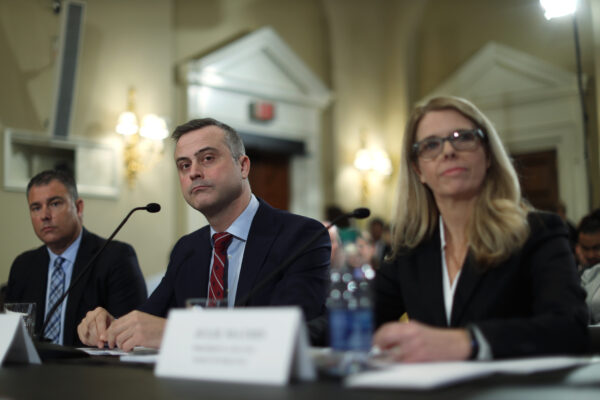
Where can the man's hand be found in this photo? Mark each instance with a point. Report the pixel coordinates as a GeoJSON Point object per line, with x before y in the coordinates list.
{"type": "Point", "coordinates": [416, 342]}
{"type": "Point", "coordinates": [135, 329]}
{"type": "Point", "coordinates": [92, 329]}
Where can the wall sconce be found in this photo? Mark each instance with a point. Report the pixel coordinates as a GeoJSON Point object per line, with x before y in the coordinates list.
{"type": "Point", "coordinates": [369, 160]}
{"type": "Point", "coordinates": [143, 144]}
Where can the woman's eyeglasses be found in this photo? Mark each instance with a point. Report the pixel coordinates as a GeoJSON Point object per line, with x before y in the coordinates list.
{"type": "Point", "coordinates": [461, 140]}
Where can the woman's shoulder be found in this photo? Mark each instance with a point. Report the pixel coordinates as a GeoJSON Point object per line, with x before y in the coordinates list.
{"type": "Point", "coordinates": [426, 246]}
{"type": "Point", "coordinates": [543, 224]}
{"type": "Point", "coordinates": [544, 220]}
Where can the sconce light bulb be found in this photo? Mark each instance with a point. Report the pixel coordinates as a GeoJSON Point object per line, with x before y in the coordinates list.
{"type": "Point", "coordinates": [382, 163]}
{"type": "Point", "coordinates": [154, 127]}
{"type": "Point", "coordinates": [127, 124]}
{"type": "Point", "coordinates": [558, 8]}
{"type": "Point", "coordinates": [363, 160]}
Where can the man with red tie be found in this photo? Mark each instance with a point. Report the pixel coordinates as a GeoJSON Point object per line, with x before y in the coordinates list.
{"type": "Point", "coordinates": [245, 240]}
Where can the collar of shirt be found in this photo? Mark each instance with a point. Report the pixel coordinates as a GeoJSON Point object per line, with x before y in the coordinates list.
{"type": "Point", "coordinates": [485, 350]}
{"type": "Point", "coordinates": [241, 226]}
{"type": "Point", "coordinates": [70, 254]}
{"type": "Point", "coordinates": [448, 289]}
{"type": "Point", "coordinates": [240, 229]}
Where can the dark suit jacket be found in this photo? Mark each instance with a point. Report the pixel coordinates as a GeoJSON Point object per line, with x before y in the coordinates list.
{"type": "Point", "coordinates": [530, 304]}
{"type": "Point", "coordinates": [274, 235]}
{"type": "Point", "coordinates": [115, 282]}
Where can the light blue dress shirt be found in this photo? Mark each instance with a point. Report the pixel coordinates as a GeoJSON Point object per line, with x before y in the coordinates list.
{"type": "Point", "coordinates": [69, 255]}
{"type": "Point", "coordinates": [235, 252]}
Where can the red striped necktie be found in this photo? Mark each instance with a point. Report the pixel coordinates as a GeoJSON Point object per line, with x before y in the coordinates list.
{"type": "Point", "coordinates": [216, 290]}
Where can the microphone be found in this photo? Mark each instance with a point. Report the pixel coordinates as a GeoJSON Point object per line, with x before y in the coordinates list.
{"type": "Point", "coordinates": [150, 207]}
{"type": "Point", "coordinates": [358, 213]}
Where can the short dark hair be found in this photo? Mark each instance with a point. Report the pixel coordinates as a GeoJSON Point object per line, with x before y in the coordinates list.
{"type": "Point", "coordinates": [47, 176]}
{"type": "Point", "coordinates": [590, 223]}
{"type": "Point", "coordinates": [232, 138]}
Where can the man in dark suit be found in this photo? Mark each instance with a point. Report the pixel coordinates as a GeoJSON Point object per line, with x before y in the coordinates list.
{"type": "Point", "coordinates": [213, 173]}
{"type": "Point", "coordinates": [42, 275]}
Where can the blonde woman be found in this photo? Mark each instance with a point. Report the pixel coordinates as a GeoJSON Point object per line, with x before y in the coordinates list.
{"type": "Point", "coordinates": [480, 274]}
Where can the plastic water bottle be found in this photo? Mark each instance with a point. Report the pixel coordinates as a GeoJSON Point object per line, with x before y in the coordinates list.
{"type": "Point", "coordinates": [350, 316]}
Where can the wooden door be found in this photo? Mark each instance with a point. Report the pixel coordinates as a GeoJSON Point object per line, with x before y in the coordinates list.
{"type": "Point", "coordinates": [270, 177]}
{"type": "Point", "coordinates": [539, 178]}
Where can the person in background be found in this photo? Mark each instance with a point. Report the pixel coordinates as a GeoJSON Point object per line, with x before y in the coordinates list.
{"type": "Point", "coordinates": [590, 280]}
{"type": "Point", "coordinates": [40, 276]}
{"type": "Point", "coordinates": [338, 258]}
{"type": "Point", "coordinates": [377, 230]}
{"type": "Point", "coordinates": [587, 248]}
{"type": "Point", "coordinates": [361, 254]}
{"type": "Point", "coordinates": [480, 274]}
{"type": "Point", "coordinates": [346, 231]}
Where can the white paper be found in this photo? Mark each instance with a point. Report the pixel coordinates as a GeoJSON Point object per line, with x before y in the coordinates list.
{"type": "Point", "coordinates": [94, 351]}
{"type": "Point", "coordinates": [15, 343]}
{"type": "Point", "coordinates": [139, 354]}
{"type": "Point", "coordinates": [137, 350]}
{"type": "Point", "coordinates": [140, 358]}
{"type": "Point", "coordinates": [252, 345]}
{"type": "Point", "coordinates": [437, 374]}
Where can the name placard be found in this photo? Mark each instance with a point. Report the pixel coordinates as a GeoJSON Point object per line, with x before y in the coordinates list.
{"type": "Point", "coordinates": [15, 343]}
{"type": "Point", "coordinates": [251, 345]}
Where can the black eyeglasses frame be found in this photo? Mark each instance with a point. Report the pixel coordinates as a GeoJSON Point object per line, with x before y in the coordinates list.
{"type": "Point", "coordinates": [451, 138]}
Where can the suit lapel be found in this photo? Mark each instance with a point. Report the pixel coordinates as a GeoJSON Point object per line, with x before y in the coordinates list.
{"type": "Point", "coordinates": [203, 254]}
{"type": "Point", "coordinates": [429, 263]}
{"type": "Point", "coordinates": [467, 282]}
{"type": "Point", "coordinates": [39, 286]}
{"type": "Point", "coordinates": [87, 248]}
{"type": "Point", "coordinates": [260, 239]}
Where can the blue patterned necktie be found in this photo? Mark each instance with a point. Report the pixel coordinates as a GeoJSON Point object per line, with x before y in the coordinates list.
{"type": "Point", "coordinates": [57, 288]}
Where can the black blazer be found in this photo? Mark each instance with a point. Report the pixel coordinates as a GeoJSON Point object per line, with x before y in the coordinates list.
{"type": "Point", "coordinates": [273, 236]}
{"type": "Point", "coordinates": [115, 282]}
{"type": "Point", "coordinates": [531, 304]}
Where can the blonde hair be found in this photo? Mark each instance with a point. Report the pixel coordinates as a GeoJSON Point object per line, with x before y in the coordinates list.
{"type": "Point", "coordinates": [498, 225]}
